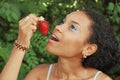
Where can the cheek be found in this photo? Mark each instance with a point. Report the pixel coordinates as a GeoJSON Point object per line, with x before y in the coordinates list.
{"type": "Point", "coordinates": [71, 46]}
{"type": "Point", "coordinates": [67, 48]}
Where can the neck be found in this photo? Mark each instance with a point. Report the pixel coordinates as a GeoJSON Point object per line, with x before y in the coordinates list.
{"type": "Point", "coordinates": [68, 67]}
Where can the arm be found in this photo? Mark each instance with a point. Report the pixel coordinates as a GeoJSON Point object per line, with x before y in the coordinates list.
{"type": "Point", "coordinates": [27, 26]}
{"type": "Point", "coordinates": [11, 69]}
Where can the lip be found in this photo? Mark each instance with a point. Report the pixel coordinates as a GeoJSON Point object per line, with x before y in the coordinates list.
{"type": "Point", "coordinates": [53, 41]}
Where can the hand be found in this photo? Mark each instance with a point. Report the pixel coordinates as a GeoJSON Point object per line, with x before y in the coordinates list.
{"type": "Point", "coordinates": [27, 26]}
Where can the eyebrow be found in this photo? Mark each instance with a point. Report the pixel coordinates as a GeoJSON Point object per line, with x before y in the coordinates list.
{"type": "Point", "coordinates": [72, 21]}
{"type": "Point", "coordinates": [75, 22]}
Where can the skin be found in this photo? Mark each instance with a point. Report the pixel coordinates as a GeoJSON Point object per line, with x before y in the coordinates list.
{"type": "Point", "coordinates": [70, 49]}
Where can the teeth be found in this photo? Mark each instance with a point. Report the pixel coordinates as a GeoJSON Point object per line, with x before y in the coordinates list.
{"type": "Point", "coordinates": [54, 37]}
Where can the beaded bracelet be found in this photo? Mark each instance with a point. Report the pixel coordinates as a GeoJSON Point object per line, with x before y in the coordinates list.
{"type": "Point", "coordinates": [19, 46]}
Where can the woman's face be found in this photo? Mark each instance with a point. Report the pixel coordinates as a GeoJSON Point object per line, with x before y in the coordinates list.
{"type": "Point", "coordinates": [70, 37]}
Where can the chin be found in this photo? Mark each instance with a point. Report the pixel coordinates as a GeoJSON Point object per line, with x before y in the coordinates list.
{"type": "Point", "coordinates": [52, 50]}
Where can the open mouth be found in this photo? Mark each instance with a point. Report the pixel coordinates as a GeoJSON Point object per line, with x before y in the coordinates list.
{"type": "Point", "coordinates": [54, 38]}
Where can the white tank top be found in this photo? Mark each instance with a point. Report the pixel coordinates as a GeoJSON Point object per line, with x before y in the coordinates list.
{"type": "Point", "coordinates": [50, 68]}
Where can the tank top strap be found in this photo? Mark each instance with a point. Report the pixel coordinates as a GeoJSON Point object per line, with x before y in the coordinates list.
{"type": "Point", "coordinates": [49, 71]}
{"type": "Point", "coordinates": [96, 75]}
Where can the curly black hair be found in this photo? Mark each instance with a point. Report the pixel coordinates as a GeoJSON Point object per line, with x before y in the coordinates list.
{"type": "Point", "coordinates": [102, 34]}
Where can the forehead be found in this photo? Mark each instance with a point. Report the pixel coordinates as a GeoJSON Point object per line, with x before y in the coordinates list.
{"type": "Point", "coordinates": [80, 17]}
{"type": "Point", "coordinates": [78, 14]}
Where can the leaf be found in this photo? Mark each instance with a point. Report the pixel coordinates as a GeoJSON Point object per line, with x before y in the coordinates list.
{"type": "Point", "coordinates": [4, 53]}
{"type": "Point", "coordinates": [110, 6]}
{"type": "Point", "coordinates": [118, 9]}
{"type": "Point", "coordinates": [14, 16]}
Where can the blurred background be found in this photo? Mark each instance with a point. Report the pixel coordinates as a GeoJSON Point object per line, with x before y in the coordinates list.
{"type": "Point", "coordinates": [11, 11]}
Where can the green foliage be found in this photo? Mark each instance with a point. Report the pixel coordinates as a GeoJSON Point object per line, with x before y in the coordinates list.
{"type": "Point", "coordinates": [113, 11]}
{"type": "Point", "coordinates": [11, 11]}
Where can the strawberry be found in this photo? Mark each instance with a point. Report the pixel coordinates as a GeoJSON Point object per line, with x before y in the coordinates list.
{"type": "Point", "coordinates": [43, 27]}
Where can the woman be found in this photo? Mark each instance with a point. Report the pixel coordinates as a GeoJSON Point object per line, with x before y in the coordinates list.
{"type": "Point", "coordinates": [84, 43]}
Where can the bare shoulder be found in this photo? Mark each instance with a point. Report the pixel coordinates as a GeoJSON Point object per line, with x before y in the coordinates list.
{"type": "Point", "coordinates": [103, 76]}
{"type": "Point", "coordinates": [38, 73]}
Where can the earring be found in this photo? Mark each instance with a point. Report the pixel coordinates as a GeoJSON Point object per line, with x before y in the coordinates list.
{"type": "Point", "coordinates": [84, 56]}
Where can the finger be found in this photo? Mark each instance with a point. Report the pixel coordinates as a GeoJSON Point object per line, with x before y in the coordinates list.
{"type": "Point", "coordinates": [22, 21]}
{"type": "Point", "coordinates": [33, 16]}
{"type": "Point", "coordinates": [30, 23]}
{"type": "Point", "coordinates": [26, 18]}
{"type": "Point", "coordinates": [41, 18]}
{"type": "Point", "coordinates": [25, 24]}
{"type": "Point", "coordinates": [33, 22]}
{"type": "Point", "coordinates": [33, 28]}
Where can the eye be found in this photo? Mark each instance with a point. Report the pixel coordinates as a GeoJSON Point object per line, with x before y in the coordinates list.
{"type": "Point", "coordinates": [74, 28]}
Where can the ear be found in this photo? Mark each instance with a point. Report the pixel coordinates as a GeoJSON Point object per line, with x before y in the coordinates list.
{"type": "Point", "coordinates": [90, 49]}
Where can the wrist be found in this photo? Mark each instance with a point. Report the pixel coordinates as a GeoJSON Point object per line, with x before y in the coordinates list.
{"type": "Point", "coordinates": [23, 40]}
{"type": "Point", "coordinates": [20, 46]}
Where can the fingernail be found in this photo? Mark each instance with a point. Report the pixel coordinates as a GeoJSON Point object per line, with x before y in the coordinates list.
{"type": "Point", "coordinates": [41, 18]}
{"type": "Point", "coordinates": [26, 18]}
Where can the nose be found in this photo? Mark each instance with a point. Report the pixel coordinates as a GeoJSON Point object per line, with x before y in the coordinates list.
{"type": "Point", "coordinates": [59, 28]}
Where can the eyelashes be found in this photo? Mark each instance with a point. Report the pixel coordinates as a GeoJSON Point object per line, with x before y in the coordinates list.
{"type": "Point", "coordinates": [74, 28]}
{"type": "Point", "coordinates": [71, 27]}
